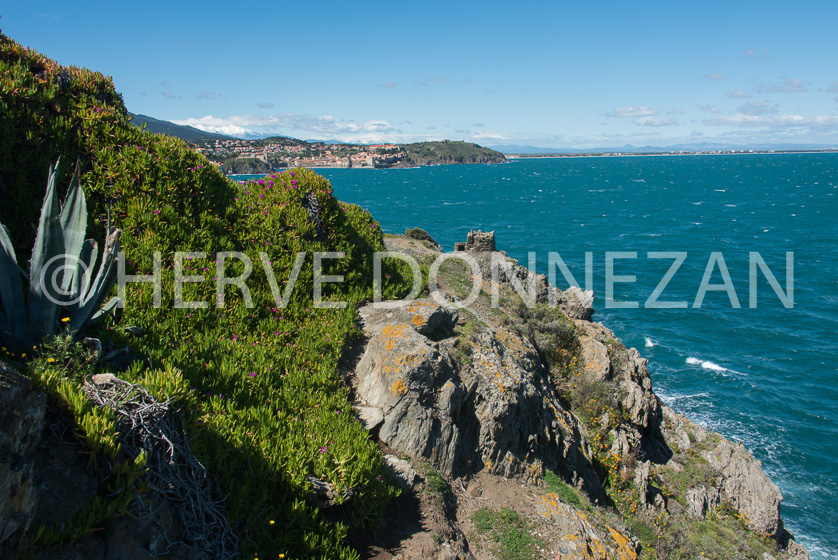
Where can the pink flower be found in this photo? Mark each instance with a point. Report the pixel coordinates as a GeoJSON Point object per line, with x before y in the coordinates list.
{"type": "Point", "coordinates": [252, 374]}
{"type": "Point", "coordinates": [323, 449]}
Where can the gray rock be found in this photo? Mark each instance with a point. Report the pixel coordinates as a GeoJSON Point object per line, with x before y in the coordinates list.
{"type": "Point", "coordinates": [22, 412]}
{"type": "Point", "coordinates": [370, 416]}
{"type": "Point", "coordinates": [747, 486]}
{"type": "Point", "coordinates": [576, 304]}
{"type": "Point", "coordinates": [402, 471]}
{"type": "Point", "coordinates": [701, 499]}
{"type": "Point", "coordinates": [581, 539]}
{"type": "Point", "coordinates": [595, 357]}
{"type": "Point", "coordinates": [425, 316]}
{"type": "Point", "coordinates": [499, 412]}
{"type": "Point", "coordinates": [641, 482]}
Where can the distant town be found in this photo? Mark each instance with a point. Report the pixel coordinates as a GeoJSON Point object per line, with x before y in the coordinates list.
{"type": "Point", "coordinates": [673, 153]}
{"type": "Point", "coordinates": [235, 155]}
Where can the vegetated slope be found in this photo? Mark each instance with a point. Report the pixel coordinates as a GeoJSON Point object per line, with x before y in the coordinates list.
{"type": "Point", "coordinates": [448, 151]}
{"type": "Point", "coordinates": [256, 383]}
{"type": "Point", "coordinates": [178, 131]}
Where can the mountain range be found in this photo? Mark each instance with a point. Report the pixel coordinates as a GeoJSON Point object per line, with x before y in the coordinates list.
{"type": "Point", "coordinates": [628, 148]}
{"type": "Point", "coordinates": [190, 133]}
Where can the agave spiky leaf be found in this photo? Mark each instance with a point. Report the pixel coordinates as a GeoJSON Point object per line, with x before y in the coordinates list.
{"type": "Point", "coordinates": [81, 279]}
{"type": "Point", "coordinates": [107, 308]}
{"type": "Point", "coordinates": [13, 317]}
{"type": "Point", "coordinates": [73, 226]}
{"type": "Point", "coordinates": [49, 242]}
{"type": "Point", "coordinates": [102, 284]}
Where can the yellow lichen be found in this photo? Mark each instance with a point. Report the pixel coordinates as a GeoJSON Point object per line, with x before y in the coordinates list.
{"type": "Point", "coordinates": [399, 387]}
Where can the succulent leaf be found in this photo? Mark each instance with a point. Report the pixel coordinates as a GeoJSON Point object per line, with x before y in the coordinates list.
{"type": "Point", "coordinates": [81, 280]}
{"type": "Point", "coordinates": [101, 287]}
{"type": "Point", "coordinates": [43, 268]}
{"type": "Point", "coordinates": [73, 226]}
{"type": "Point", "coordinates": [13, 317]}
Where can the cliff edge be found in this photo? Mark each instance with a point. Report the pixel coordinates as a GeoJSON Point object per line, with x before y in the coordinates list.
{"type": "Point", "coordinates": [536, 418]}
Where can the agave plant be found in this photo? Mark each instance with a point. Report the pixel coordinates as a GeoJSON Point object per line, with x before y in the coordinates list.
{"type": "Point", "coordinates": [60, 271]}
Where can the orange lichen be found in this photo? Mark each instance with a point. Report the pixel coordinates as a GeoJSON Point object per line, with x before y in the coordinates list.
{"type": "Point", "coordinates": [399, 387]}
{"type": "Point", "coordinates": [624, 547]}
{"type": "Point", "coordinates": [391, 333]}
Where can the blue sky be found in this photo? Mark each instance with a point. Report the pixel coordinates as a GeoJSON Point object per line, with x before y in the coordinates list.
{"type": "Point", "coordinates": [550, 74]}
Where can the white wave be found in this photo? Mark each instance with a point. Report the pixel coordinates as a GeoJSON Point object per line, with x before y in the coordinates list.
{"type": "Point", "coordinates": [650, 343]}
{"type": "Point", "coordinates": [706, 364]}
{"type": "Point", "coordinates": [673, 398]}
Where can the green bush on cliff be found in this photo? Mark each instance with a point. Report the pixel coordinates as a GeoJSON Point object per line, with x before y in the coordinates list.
{"type": "Point", "coordinates": [258, 385]}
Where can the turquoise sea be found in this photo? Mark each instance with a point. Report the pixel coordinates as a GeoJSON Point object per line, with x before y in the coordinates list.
{"type": "Point", "coordinates": [767, 376]}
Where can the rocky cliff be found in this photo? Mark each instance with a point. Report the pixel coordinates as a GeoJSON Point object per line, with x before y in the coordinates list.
{"type": "Point", "coordinates": [542, 413]}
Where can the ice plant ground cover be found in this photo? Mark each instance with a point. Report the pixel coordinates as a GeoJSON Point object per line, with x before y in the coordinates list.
{"type": "Point", "coordinates": [258, 387]}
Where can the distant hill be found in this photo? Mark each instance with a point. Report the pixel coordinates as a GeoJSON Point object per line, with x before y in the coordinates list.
{"type": "Point", "coordinates": [178, 131]}
{"type": "Point", "coordinates": [447, 152]}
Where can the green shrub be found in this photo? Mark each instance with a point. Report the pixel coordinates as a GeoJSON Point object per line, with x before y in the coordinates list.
{"type": "Point", "coordinates": [565, 492]}
{"type": "Point", "coordinates": [420, 235]}
{"type": "Point", "coordinates": [512, 536]}
{"type": "Point", "coordinates": [435, 482]}
{"type": "Point", "coordinates": [258, 386]}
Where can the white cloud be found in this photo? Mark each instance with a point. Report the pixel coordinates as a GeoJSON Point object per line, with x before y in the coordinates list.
{"type": "Point", "coordinates": [790, 85]}
{"type": "Point", "coordinates": [167, 94]}
{"type": "Point", "coordinates": [638, 111]}
{"type": "Point", "coordinates": [265, 105]}
{"type": "Point", "coordinates": [710, 108]}
{"type": "Point", "coordinates": [737, 94]}
{"type": "Point", "coordinates": [388, 85]}
{"type": "Point", "coordinates": [206, 95]}
{"type": "Point", "coordinates": [325, 126]}
{"type": "Point", "coordinates": [655, 121]}
{"type": "Point", "coordinates": [833, 88]}
{"type": "Point", "coordinates": [775, 121]}
{"type": "Point", "coordinates": [675, 112]}
{"type": "Point", "coordinates": [758, 108]}
{"type": "Point", "coordinates": [714, 77]}
{"type": "Point", "coordinates": [490, 136]}
{"type": "Point", "coordinates": [438, 80]}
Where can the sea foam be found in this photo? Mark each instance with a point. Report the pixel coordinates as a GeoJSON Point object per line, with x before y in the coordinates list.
{"type": "Point", "coordinates": [706, 364]}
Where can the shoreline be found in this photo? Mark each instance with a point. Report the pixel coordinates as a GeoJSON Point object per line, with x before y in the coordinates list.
{"type": "Point", "coordinates": [652, 154]}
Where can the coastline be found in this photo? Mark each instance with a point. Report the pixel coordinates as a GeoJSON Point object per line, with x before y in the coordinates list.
{"type": "Point", "coordinates": [517, 157]}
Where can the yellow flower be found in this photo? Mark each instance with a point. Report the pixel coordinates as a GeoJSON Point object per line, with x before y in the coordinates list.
{"type": "Point", "coordinates": [65, 320]}
{"type": "Point", "coordinates": [271, 522]}
{"type": "Point", "coordinates": [23, 355]}
{"type": "Point", "coordinates": [50, 360]}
